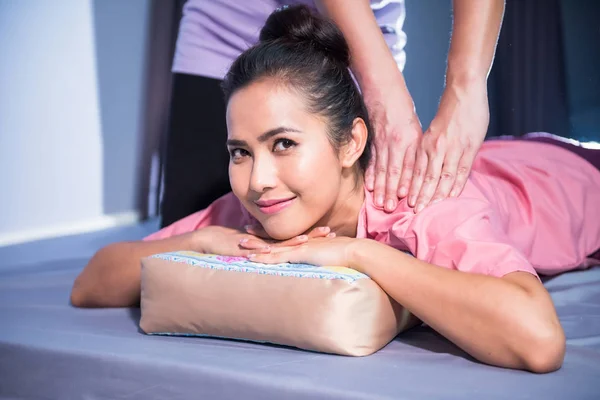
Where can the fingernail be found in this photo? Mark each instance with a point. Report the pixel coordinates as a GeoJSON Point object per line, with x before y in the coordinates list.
{"type": "Point", "coordinates": [324, 229]}
{"type": "Point", "coordinates": [243, 240]}
{"type": "Point", "coordinates": [403, 192]}
{"type": "Point", "coordinates": [379, 201]}
{"type": "Point", "coordinates": [302, 237]}
{"type": "Point", "coordinates": [247, 227]}
{"type": "Point", "coordinates": [436, 201]}
{"type": "Point", "coordinates": [412, 200]}
{"type": "Point", "coordinates": [251, 255]}
{"type": "Point", "coordinates": [266, 249]}
{"type": "Point", "coordinates": [419, 208]}
{"type": "Point", "coordinates": [453, 193]}
{"type": "Point", "coordinates": [390, 205]}
{"type": "Point", "coordinates": [331, 235]}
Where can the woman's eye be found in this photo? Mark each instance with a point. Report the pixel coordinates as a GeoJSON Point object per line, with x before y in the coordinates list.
{"type": "Point", "coordinates": [236, 154]}
{"type": "Point", "coordinates": [283, 144]}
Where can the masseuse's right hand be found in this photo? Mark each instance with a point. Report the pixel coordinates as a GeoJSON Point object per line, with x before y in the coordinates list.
{"type": "Point", "coordinates": [237, 243]}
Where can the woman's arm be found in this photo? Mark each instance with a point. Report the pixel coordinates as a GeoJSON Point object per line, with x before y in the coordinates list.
{"type": "Point", "coordinates": [509, 322]}
{"type": "Point", "coordinates": [112, 277]}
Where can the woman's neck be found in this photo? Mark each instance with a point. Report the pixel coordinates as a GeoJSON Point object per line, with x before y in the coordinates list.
{"type": "Point", "coordinates": [343, 217]}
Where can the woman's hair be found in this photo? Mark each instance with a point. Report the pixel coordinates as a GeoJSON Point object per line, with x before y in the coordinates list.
{"type": "Point", "coordinates": [309, 54]}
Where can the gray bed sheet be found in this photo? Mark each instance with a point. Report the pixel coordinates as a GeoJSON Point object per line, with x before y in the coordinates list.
{"type": "Point", "coordinates": [50, 350]}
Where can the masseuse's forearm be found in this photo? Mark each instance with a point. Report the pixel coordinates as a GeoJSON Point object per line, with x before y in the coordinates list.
{"type": "Point", "coordinates": [112, 277]}
{"type": "Point", "coordinates": [493, 319]}
{"type": "Point", "coordinates": [475, 33]}
{"type": "Point", "coordinates": [371, 60]}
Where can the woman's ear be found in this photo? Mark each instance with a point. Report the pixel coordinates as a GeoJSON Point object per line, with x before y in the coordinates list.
{"type": "Point", "coordinates": [352, 151]}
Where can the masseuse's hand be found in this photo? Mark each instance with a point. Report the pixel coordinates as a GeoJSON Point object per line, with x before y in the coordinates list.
{"type": "Point", "coordinates": [449, 146]}
{"type": "Point", "coordinates": [327, 251]}
{"type": "Point", "coordinates": [397, 136]}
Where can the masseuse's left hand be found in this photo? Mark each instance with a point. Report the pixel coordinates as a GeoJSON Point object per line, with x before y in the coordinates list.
{"type": "Point", "coordinates": [449, 146]}
{"type": "Point", "coordinates": [327, 251]}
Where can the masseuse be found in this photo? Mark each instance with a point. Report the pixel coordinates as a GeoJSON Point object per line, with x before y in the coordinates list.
{"type": "Point", "coordinates": [426, 168]}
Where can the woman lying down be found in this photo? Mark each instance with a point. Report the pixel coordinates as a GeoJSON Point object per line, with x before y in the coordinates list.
{"type": "Point", "coordinates": [299, 138]}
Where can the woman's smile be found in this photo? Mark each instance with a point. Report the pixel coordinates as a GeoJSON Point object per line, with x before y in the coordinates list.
{"type": "Point", "coordinates": [274, 206]}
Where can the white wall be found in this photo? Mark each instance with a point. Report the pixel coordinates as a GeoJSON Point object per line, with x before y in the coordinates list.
{"type": "Point", "coordinates": [52, 153]}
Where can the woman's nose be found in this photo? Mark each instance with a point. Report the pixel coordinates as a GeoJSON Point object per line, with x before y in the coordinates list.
{"type": "Point", "coordinates": [264, 175]}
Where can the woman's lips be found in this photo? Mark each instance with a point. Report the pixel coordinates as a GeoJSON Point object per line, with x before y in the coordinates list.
{"type": "Point", "coordinates": [274, 206]}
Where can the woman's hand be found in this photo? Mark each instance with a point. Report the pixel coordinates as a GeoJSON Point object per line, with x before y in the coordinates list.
{"type": "Point", "coordinates": [233, 242]}
{"type": "Point", "coordinates": [449, 146]}
{"type": "Point", "coordinates": [325, 251]}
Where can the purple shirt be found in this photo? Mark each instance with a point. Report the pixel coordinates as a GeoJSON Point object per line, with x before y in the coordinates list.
{"type": "Point", "coordinates": [213, 33]}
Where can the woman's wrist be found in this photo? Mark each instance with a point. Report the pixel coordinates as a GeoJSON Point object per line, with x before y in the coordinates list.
{"type": "Point", "coordinates": [358, 254]}
{"type": "Point", "coordinates": [198, 241]}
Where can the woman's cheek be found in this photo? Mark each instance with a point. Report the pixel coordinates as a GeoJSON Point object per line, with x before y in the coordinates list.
{"type": "Point", "coordinates": [239, 181]}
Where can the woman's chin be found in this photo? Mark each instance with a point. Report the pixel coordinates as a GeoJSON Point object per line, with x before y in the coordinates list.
{"type": "Point", "coordinates": [282, 233]}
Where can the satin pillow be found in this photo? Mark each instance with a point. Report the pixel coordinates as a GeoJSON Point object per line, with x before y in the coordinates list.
{"type": "Point", "coordinates": [326, 309]}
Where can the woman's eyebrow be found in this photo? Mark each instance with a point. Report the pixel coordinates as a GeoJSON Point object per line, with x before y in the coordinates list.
{"type": "Point", "coordinates": [264, 137]}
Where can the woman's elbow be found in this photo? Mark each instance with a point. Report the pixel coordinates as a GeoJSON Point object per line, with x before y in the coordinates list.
{"type": "Point", "coordinates": [80, 293]}
{"type": "Point", "coordinates": [77, 297]}
{"type": "Point", "coordinates": [86, 283]}
{"type": "Point", "coordinates": [546, 349]}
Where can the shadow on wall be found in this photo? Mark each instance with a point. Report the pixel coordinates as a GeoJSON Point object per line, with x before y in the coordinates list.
{"type": "Point", "coordinates": [581, 38]}
{"type": "Point", "coordinates": [428, 25]}
{"type": "Point", "coordinates": [133, 60]}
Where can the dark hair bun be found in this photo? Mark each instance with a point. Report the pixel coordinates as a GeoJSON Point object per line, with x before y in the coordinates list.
{"type": "Point", "coordinates": [298, 25]}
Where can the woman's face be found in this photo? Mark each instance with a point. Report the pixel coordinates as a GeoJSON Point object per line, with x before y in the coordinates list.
{"type": "Point", "coordinates": [283, 168]}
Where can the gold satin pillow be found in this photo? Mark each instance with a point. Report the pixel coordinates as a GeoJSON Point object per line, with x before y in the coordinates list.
{"type": "Point", "coordinates": [327, 309]}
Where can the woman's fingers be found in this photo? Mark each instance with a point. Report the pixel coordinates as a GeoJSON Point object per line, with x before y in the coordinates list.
{"type": "Point", "coordinates": [257, 243]}
{"type": "Point", "coordinates": [277, 256]}
{"type": "Point", "coordinates": [321, 231]}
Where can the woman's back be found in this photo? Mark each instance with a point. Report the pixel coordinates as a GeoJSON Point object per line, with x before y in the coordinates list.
{"type": "Point", "coordinates": [539, 198]}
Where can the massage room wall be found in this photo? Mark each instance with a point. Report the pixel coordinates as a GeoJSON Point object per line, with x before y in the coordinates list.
{"type": "Point", "coordinates": [71, 85]}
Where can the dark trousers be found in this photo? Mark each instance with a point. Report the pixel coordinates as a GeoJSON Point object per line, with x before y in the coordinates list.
{"type": "Point", "coordinates": [195, 159]}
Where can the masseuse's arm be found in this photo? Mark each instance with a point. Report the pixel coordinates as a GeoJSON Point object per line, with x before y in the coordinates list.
{"type": "Point", "coordinates": [390, 105]}
{"type": "Point", "coordinates": [451, 142]}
